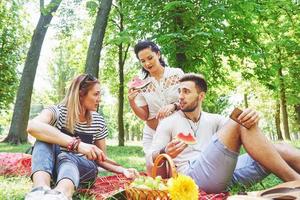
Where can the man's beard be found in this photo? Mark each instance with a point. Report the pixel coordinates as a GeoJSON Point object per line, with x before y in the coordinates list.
{"type": "Point", "coordinates": [192, 106]}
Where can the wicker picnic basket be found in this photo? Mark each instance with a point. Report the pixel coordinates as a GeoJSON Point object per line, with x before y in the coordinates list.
{"type": "Point", "coordinates": [147, 194]}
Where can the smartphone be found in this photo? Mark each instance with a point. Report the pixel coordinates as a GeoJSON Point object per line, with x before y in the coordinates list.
{"type": "Point", "coordinates": [235, 114]}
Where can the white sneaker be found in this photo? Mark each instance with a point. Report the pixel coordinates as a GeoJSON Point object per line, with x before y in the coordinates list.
{"type": "Point", "coordinates": [37, 193]}
{"type": "Point", "coordinates": [55, 195]}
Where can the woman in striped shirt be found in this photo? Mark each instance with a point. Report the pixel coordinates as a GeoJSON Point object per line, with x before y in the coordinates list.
{"type": "Point", "coordinates": [70, 143]}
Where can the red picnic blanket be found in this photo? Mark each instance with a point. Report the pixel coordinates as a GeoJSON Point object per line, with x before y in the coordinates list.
{"type": "Point", "coordinates": [15, 164]}
{"type": "Point", "coordinates": [19, 164]}
{"type": "Point", "coordinates": [107, 186]}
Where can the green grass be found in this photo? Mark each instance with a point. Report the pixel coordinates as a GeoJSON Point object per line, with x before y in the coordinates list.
{"type": "Point", "coordinates": [14, 187]}
{"type": "Point", "coordinates": [129, 156]}
{"type": "Point", "coordinates": [5, 147]}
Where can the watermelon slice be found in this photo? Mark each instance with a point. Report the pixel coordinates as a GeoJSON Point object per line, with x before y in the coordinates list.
{"type": "Point", "coordinates": [186, 138]}
{"type": "Point", "coordinates": [137, 83]}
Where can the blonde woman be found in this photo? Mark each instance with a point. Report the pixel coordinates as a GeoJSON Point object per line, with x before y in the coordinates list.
{"type": "Point", "coordinates": [70, 143]}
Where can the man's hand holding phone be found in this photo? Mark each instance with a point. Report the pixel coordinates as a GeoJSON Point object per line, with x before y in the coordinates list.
{"type": "Point", "coordinates": [246, 118]}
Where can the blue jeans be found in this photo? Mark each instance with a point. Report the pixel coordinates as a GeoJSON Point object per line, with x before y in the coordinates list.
{"type": "Point", "coordinates": [217, 167]}
{"type": "Point", "coordinates": [63, 165]}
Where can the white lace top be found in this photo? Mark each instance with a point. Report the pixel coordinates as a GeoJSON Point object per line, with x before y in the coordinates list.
{"type": "Point", "coordinates": [160, 93]}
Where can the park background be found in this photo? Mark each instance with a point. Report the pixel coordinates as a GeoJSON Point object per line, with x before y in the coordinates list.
{"type": "Point", "coordinates": [249, 51]}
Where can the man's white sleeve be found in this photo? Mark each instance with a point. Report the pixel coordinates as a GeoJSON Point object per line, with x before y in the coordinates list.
{"type": "Point", "coordinates": [221, 121]}
{"type": "Point", "coordinates": [162, 136]}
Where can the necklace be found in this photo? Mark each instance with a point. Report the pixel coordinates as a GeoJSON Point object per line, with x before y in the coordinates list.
{"type": "Point", "coordinates": [192, 127]}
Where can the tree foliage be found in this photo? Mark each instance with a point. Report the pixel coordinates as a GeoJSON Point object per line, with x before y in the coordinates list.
{"type": "Point", "coordinates": [13, 40]}
{"type": "Point", "coordinates": [280, 41]}
{"type": "Point", "coordinates": [247, 50]}
{"type": "Point", "coordinates": [70, 52]}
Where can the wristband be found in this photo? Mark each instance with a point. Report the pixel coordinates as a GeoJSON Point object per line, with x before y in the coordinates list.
{"type": "Point", "coordinates": [73, 145]}
{"type": "Point", "coordinates": [76, 144]}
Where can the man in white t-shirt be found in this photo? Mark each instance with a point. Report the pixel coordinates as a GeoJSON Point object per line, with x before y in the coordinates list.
{"type": "Point", "coordinates": [214, 162]}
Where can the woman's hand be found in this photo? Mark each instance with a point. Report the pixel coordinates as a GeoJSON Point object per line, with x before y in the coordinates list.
{"type": "Point", "coordinates": [132, 93]}
{"type": "Point", "coordinates": [130, 172]}
{"type": "Point", "coordinates": [165, 111]}
{"type": "Point", "coordinates": [92, 152]}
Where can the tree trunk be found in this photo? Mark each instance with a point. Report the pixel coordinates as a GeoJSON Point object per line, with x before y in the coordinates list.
{"type": "Point", "coordinates": [122, 54]}
{"type": "Point", "coordinates": [93, 55]}
{"type": "Point", "coordinates": [180, 58]}
{"type": "Point", "coordinates": [277, 122]}
{"type": "Point", "coordinates": [121, 97]}
{"type": "Point", "coordinates": [132, 136]}
{"type": "Point", "coordinates": [17, 132]}
{"type": "Point", "coordinates": [283, 105]}
{"type": "Point", "coordinates": [126, 129]}
{"type": "Point", "coordinates": [180, 55]}
{"type": "Point", "coordinates": [246, 100]}
{"type": "Point", "coordinates": [297, 111]}
{"type": "Point", "coordinates": [61, 77]}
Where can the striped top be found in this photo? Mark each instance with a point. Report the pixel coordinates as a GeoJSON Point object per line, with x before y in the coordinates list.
{"type": "Point", "coordinates": [97, 130]}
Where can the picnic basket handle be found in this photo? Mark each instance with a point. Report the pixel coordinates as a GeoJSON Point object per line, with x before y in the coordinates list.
{"type": "Point", "coordinates": [169, 160]}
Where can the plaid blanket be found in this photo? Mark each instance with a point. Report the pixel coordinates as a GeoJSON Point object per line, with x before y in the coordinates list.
{"type": "Point", "coordinates": [19, 164]}
{"type": "Point", "coordinates": [15, 164]}
{"type": "Point", "coordinates": [112, 187]}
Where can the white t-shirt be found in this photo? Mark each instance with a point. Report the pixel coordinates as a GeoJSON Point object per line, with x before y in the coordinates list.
{"type": "Point", "coordinates": [169, 127]}
{"type": "Point", "coordinates": [160, 93]}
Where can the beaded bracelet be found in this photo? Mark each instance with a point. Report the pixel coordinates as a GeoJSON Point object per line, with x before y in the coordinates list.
{"type": "Point", "coordinates": [76, 144]}
{"type": "Point", "coordinates": [73, 145]}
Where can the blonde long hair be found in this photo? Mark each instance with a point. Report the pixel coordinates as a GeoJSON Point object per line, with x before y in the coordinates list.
{"type": "Point", "coordinates": [78, 88]}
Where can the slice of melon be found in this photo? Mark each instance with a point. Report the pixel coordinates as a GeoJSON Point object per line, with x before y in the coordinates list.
{"type": "Point", "coordinates": [137, 83]}
{"type": "Point", "coordinates": [186, 138]}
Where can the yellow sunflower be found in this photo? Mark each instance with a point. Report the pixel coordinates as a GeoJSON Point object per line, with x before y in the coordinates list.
{"type": "Point", "coordinates": [182, 187]}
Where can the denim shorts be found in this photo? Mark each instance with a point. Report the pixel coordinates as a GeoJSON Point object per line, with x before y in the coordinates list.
{"type": "Point", "coordinates": [63, 165]}
{"type": "Point", "coordinates": [217, 168]}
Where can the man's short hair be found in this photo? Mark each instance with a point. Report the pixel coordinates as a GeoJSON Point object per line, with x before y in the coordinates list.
{"type": "Point", "coordinates": [198, 79]}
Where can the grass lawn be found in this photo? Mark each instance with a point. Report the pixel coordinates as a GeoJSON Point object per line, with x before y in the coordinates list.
{"type": "Point", "coordinates": [129, 156]}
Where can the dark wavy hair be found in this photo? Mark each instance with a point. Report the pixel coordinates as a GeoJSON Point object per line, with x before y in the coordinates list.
{"type": "Point", "coordinates": [141, 45]}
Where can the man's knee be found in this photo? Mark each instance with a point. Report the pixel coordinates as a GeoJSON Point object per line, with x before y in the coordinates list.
{"type": "Point", "coordinates": [231, 127]}
{"type": "Point", "coordinates": [230, 135]}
